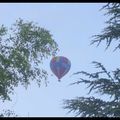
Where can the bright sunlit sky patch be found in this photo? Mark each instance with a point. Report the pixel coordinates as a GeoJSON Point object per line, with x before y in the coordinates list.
{"type": "Point", "coordinates": [72, 25]}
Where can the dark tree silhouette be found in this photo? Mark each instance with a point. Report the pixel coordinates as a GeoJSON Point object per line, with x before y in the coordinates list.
{"type": "Point", "coordinates": [104, 82]}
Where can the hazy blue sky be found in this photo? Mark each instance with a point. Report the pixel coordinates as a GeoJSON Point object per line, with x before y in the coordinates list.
{"type": "Point", "coordinates": [72, 25]}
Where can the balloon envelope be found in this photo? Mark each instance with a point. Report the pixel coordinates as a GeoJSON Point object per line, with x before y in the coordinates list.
{"type": "Point", "coordinates": [60, 66]}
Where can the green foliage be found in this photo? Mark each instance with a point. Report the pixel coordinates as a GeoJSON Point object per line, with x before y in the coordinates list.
{"type": "Point", "coordinates": [92, 107]}
{"type": "Point", "coordinates": [102, 82]}
{"type": "Point", "coordinates": [8, 113]}
{"type": "Point", "coordinates": [107, 85]}
{"type": "Point", "coordinates": [22, 49]}
{"type": "Point", "coordinates": [112, 31]}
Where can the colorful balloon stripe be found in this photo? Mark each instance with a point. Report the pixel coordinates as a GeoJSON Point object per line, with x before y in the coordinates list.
{"type": "Point", "coordinates": [60, 66]}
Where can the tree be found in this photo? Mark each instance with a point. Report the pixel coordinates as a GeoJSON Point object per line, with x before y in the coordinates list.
{"type": "Point", "coordinates": [104, 82]}
{"type": "Point", "coordinates": [8, 113]}
{"type": "Point", "coordinates": [23, 48]}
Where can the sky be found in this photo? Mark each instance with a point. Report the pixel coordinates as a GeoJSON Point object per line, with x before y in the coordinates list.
{"type": "Point", "coordinates": [72, 25]}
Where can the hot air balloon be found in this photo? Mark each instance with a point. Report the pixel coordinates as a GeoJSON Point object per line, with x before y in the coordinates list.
{"type": "Point", "coordinates": [60, 66]}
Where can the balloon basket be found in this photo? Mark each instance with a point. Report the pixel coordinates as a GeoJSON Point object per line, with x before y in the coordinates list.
{"type": "Point", "coordinates": [59, 80]}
